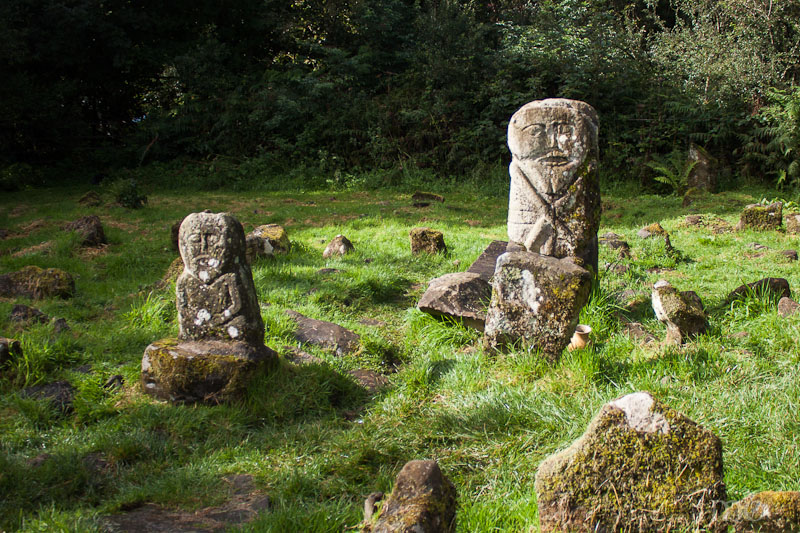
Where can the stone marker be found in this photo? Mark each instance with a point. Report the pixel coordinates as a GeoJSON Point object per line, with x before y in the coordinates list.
{"type": "Point", "coordinates": [761, 217]}
{"type": "Point", "coordinates": [9, 349]}
{"type": "Point", "coordinates": [221, 339]}
{"type": "Point", "coordinates": [423, 501]}
{"type": "Point", "coordinates": [791, 255]}
{"type": "Point", "coordinates": [486, 263]}
{"type": "Point", "coordinates": [536, 301]}
{"type": "Point", "coordinates": [460, 295]}
{"type": "Point", "coordinates": [640, 466]}
{"type": "Point", "coordinates": [427, 240]}
{"type": "Point", "coordinates": [703, 176]}
{"type": "Point", "coordinates": [27, 315]}
{"type": "Point", "coordinates": [90, 229]}
{"type": "Point", "coordinates": [324, 334]}
{"type": "Point", "coordinates": [618, 243]}
{"type": "Point", "coordinates": [787, 306]}
{"type": "Point", "coordinates": [682, 312]}
{"type": "Point", "coordinates": [655, 230]}
{"type": "Point", "coordinates": [554, 202]}
{"type": "Point", "coordinates": [275, 235]}
{"type": "Point", "coordinates": [777, 286]}
{"type": "Point", "coordinates": [340, 245]}
{"type": "Point", "coordinates": [792, 221]}
{"type": "Point", "coordinates": [766, 512]}
{"type": "Point", "coordinates": [37, 283]}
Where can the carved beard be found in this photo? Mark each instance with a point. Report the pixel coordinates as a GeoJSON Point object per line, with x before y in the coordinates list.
{"type": "Point", "coordinates": [550, 181]}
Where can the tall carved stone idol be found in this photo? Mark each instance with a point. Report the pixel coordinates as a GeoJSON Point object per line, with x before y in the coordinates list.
{"type": "Point", "coordinates": [221, 339]}
{"type": "Point", "coordinates": [554, 203]}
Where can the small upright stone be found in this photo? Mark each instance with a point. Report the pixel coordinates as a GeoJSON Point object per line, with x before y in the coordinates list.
{"type": "Point", "coordinates": [761, 217]}
{"type": "Point", "coordinates": [275, 235]}
{"type": "Point", "coordinates": [640, 466]}
{"type": "Point", "coordinates": [554, 200]}
{"type": "Point", "coordinates": [423, 501]}
{"type": "Point", "coordinates": [655, 230]}
{"type": "Point", "coordinates": [340, 245]}
{"type": "Point", "coordinates": [703, 176]}
{"type": "Point", "coordinates": [766, 512]}
{"type": "Point", "coordinates": [682, 312]}
{"type": "Point", "coordinates": [792, 221]}
{"type": "Point", "coordinates": [536, 301]}
{"type": "Point", "coordinates": [90, 229]}
{"type": "Point", "coordinates": [787, 307]}
{"type": "Point", "coordinates": [221, 339]}
{"type": "Point", "coordinates": [427, 240]}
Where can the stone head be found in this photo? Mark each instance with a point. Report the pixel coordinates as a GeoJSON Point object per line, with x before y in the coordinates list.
{"type": "Point", "coordinates": [550, 140]}
{"type": "Point", "coordinates": [210, 244]}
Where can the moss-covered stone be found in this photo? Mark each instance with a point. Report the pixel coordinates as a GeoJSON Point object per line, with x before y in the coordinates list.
{"type": "Point", "coordinates": [682, 312]}
{"type": "Point", "coordinates": [640, 466]}
{"type": "Point", "coordinates": [761, 217]}
{"type": "Point", "coordinates": [276, 236]}
{"type": "Point", "coordinates": [37, 283]}
{"type": "Point", "coordinates": [792, 222]}
{"type": "Point", "coordinates": [536, 302]}
{"type": "Point", "coordinates": [767, 512]}
{"type": "Point", "coordinates": [423, 501]}
{"type": "Point", "coordinates": [427, 240]}
{"type": "Point", "coordinates": [201, 371]}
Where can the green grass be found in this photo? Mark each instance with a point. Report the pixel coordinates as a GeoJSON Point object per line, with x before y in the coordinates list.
{"type": "Point", "coordinates": [315, 441]}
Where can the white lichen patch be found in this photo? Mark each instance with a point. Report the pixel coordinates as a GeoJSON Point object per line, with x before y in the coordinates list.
{"type": "Point", "coordinates": [203, 275]}
{"type": "Point", "coordinates": [531, 294]}
{"type": "Point", "coordinates": [213, 262]}
{"type": "Point", "coordinates": [233, 332]}
{"type": "Point", "coordinates": [202, 316]}
{"type": "Point", "coordinates": [639, 414]}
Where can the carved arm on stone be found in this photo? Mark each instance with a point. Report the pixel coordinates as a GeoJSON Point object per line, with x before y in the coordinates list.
{"type": "Point", "coordinates": [234, 296]}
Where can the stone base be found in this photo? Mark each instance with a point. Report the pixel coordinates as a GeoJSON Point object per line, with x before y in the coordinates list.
{"type": "Point", "coordinates": [200, 371]}
{"type": "Point", "coordinates": [459, 295]}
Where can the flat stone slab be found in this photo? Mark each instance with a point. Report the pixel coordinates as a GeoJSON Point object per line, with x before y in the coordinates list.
{"type": "Point", "coordinates": [485, 264]}
{"type": "Point", "coordinates": [460, 295]}
{"type": "Point", "coordinates": [207, 371]}
{"type": "Point", "coordinates": [767, 512]}
{"type": "Point", "coordinates": [325, 334]}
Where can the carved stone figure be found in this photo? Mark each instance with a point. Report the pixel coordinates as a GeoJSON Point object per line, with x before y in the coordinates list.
{"type": "Point", "coordinates": [221, 339]}
{"type": "Point", "coordinates": [554, 203]}
{"type": "Point", "coordinates": [216, 296]}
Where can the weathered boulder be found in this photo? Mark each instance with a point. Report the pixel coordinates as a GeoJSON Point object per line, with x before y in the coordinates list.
{"type": "Point", "coordinates": [340, 245]}
{"type": "Point", "coordinates": [486, 263]}
{"type": "Point", "coordinates": [27, 315]}
{"type": "Point", "coordinates": [423, 501]}
{"type": "Point", "coordinates": [791, 255]}
{"type": "Point", "coordinates": [90, 229]}
{"type": "Point", "coordinates": [324, 334]}
{"type": "Point", "coordinates": [766, 512]}
{"type": "Point", "coordinates": [221, 332]}
{"type": "Point", "coordinates": [787, 306]}
{"type": "Point", "coordinates": [427, 240]}
{"type": "Point", "coordinates": [536, 301]}
{"type": "Point", "coordinates": [682, 312]}
{"type": "Point", "coordinates": [554, 200]}
{"type": "Point", "coordinates": [256, 248]}
{"type": "Point", "coordinates": [37, 283]}
{"type": "Point", "coordinates": [703, 175]}
{"type": "Point", "coordinates": [208, 371]}
{"type": "Point", "coordinates": [776, 286]}
{"type": "Point", "coordinates": [459, 295]}
{"type": "Point", "coordinates": [276, 235]}
{"type": "Point", "coordinates": [640, 466]}
{"type": "Point", "coordinates": [9, 349]}
{"type": "Point", "coordinates": [761, 217]}
{"type": "Point", "coordinates": [616, 242]}
{"type": "Point", "coordinates": [424, 199]}
{"type": "Point", "coordinates": [792, 221]}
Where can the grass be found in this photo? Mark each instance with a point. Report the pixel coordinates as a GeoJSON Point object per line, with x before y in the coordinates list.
{"type": "Point", "coordinates": [315, 441]}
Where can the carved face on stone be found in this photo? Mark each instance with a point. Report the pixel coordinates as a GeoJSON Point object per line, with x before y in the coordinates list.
{"type": "Point", "coordinates": [550, 139]}
{"type": "Point", "coordinates": [210, 244]}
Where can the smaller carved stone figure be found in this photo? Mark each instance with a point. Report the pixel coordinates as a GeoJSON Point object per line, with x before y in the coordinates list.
{"type": "Point", "coordinates": [554, 203]}
{"type": "Point", "coordinates": [216, 298]}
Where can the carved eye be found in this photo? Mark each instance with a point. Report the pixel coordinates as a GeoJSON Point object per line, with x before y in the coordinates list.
{"type": "Point", "coordinates": [195, 238]}
{"type": "Point", "coordinates": [535, 129]}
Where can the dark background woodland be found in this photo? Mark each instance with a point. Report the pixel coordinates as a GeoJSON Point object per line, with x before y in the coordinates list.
{"type": "Point", "coordinates": [88, 86]}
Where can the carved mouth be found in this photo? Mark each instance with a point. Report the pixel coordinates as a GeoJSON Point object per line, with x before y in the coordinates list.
{"type": "Point", "coordinates": [554, 159]}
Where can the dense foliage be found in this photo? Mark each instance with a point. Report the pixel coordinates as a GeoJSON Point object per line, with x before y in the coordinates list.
{"type": "Point", "coordinates": [347, 84]}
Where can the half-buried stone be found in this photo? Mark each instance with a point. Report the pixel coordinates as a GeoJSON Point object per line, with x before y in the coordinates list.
{"type": "Point", "coordinates": [221, 339]}
{"type": "Point", "coordinates": [460, 295]}
{"type": "Point", "coordinates": [640, 466]}
{"type": "Point", "coordinates": [536, 301]}
{"type": "Point", "coordinates": [682, 312]}
{"type": "Point", "coordinates": [767, 512]}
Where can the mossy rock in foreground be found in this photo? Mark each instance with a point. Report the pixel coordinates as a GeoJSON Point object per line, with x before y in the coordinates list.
{"type": "Point", "coordinates": [761, 217]}
{"type": "Point", "coordinates": [640, 466]}
{"type": "Point", "coordinates": [767, 512]}
{"type": "Point", "coordinates": [201, 371]}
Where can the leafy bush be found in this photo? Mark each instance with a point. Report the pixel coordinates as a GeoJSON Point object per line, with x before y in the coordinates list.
{"type": "Point", "coordinates": [673, 170]}
{"type": "Point", "coordinates": [126, 193]}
